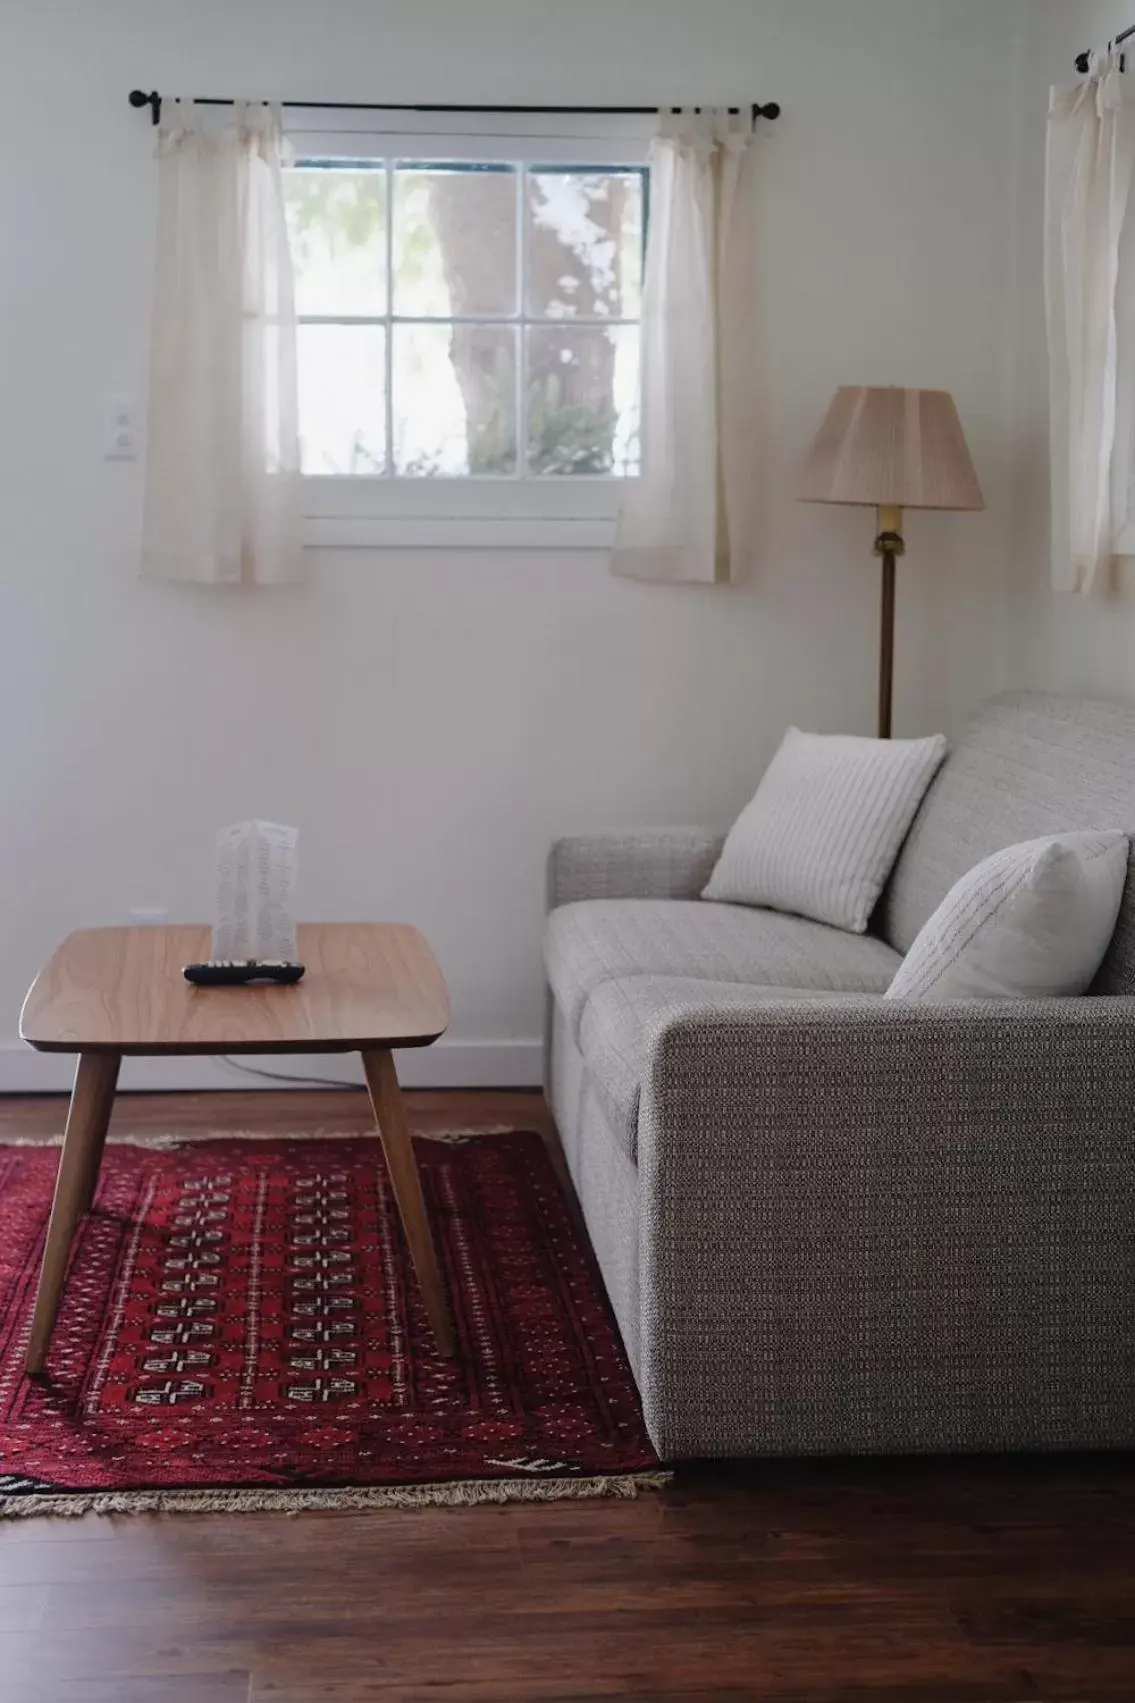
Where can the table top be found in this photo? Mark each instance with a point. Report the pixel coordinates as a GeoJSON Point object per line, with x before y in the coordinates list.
{"type": "Point", "coordinates": [121, 990]}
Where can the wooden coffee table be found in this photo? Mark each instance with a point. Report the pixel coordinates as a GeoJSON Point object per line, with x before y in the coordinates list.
{"type": "Point", "coordinates": [110, 993]}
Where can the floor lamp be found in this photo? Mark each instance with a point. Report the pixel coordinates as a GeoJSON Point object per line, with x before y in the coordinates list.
{"type": "Point", "coordinates": [891, 450]}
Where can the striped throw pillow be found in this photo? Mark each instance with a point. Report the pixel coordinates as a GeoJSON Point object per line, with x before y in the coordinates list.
{"type": "Point", "coordinates": [1031, 922]}
{"type": "Point", "coordinates": [826, 825]}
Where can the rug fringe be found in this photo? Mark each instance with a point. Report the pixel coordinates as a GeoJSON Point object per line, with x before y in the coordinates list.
{"type": "Point", "coordinates": [187, 1138]}
{"type": "Point", "coordinates": [461, 1493]}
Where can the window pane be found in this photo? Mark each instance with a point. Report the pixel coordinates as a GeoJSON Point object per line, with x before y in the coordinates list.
{"type": "Point", "coordinates": [455, 241]}
{"type": "Point", "coordinates": [454, 399]}
{"type": "Point", "coordinates": [337, 224]}
{"type": "Point", "coordinates": [584, 244]}
{"type": "Point", "coordinates": [583, 399]}
{"type": "Point", "coordinates": [342, 387]}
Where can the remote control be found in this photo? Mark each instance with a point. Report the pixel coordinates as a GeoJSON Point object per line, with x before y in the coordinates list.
{"type": "Point", "coordinates": [238, 972]}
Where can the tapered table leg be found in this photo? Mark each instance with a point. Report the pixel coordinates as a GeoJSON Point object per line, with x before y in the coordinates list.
{"type": "Point", "coordinates": [386, 1098]}
{"type": "Point", "coordinates": [91, 1101]}
{"type": "Point", "coordinates": [100, 1123]}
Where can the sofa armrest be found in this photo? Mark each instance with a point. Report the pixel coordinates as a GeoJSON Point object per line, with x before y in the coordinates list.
{"type": "Point", "coordinates": [880, 1225]}
{"type": "Point", "coordinates": [663, 863]}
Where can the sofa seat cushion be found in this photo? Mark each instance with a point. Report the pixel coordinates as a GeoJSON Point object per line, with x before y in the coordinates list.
{"type": "Point", "coordinates": [604, 940]}
{"type": "Point", "coordinates": [622, 1021]}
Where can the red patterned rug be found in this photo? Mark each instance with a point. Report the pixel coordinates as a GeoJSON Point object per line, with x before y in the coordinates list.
{"type": "Point", "coordinates": [241, 1327]}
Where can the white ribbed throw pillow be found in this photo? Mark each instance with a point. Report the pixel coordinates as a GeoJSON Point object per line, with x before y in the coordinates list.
{"type": "Point", "coordinates": [1031, 922]}
{"type": "Point", "coordinates": [826, 825]}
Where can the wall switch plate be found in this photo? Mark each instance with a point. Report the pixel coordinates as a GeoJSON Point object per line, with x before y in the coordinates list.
{"type": "Point", "coordinates": [120, 429]}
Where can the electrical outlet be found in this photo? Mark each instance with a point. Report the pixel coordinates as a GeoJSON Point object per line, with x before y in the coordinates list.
{"type": "Point", "coordinates": [149, 914]}
{"type": "Point", "coordinates": [120, 429]}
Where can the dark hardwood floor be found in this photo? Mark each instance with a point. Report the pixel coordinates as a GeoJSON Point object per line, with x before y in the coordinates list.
{"type": "Point", "coordinates": [991, 1581]}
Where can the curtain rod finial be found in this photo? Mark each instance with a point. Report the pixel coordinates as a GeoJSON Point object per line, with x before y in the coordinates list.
{"type": "Point", "coordinates": [139, 98]}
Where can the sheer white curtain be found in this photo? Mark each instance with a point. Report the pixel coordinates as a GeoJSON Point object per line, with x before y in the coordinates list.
{"type": "Point", "coordinates": [1090, 286]}
{"type": "Point", "coordinates": [687, 517]}
{"type": "Point", "coordinates": [222, 465]}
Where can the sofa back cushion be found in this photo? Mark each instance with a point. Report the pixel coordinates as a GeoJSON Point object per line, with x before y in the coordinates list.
{"type": "Point", "coordinates": [1030, 764]}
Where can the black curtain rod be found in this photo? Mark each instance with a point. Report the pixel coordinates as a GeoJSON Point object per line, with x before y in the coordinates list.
{"type": "Point", "coordinates": [139, 98]}
{"type": "Point", "coordinates": [1084, 63]}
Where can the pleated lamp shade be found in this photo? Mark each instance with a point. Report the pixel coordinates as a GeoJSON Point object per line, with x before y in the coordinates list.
{"type": "Point", "coordinates": [892, 448]}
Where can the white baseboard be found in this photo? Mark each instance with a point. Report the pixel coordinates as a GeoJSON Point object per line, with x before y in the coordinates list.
{"type": "Point", "coordinates": [449, 1064]}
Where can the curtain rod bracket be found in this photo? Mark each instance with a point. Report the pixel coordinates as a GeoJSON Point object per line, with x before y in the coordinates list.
{"type": "Point", "coordinates": [1084, 61]}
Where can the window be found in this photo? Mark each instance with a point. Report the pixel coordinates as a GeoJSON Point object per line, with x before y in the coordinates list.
{"type": "Point", "coordinates": [469, 334]}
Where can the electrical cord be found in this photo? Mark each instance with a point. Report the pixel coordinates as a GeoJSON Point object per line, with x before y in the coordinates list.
{"type": "Point", "coordinates": [283, 1076]}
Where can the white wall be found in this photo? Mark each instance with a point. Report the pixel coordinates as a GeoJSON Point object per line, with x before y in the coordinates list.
{"type": "Point", "coordinates": [431, 721]}
{"type": "Point", "coordinates": [1067, 643]}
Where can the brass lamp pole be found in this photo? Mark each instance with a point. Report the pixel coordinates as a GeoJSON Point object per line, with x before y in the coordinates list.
{"type": "Point", "coordinates": [889, 544]}
{"type": "Point", "coordinates": [889, 450]}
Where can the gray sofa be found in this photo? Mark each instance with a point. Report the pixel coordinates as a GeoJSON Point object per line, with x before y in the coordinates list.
{"type": "Point", "coordinates": [833, 1223]}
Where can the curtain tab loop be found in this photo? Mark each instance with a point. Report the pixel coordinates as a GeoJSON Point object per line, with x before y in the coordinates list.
{"type": "Point", "coordinates": [179, 118]}
{"type": "Point", "coordinates": [1110, 92]}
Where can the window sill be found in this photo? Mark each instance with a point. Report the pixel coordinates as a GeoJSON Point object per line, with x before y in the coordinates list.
{"type": "Point", "coordinates": [370, 532]}
{"type": "Point", "coordinates": [465, 514]}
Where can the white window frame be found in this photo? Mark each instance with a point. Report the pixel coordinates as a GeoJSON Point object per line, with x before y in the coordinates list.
{"type": "Point", "coordinates": [356, 512]}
